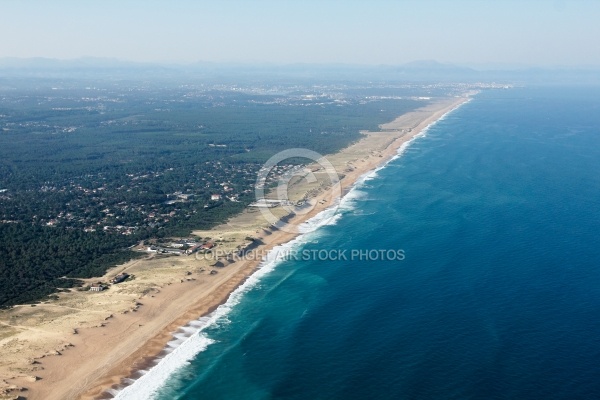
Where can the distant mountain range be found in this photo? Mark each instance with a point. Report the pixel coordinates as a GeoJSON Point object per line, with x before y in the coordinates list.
{"type": "Point", "coordinates": [417, 71]}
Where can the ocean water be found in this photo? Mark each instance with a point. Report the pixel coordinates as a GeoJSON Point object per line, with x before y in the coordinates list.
{"type": "Point", "coordinates": [496, 214]}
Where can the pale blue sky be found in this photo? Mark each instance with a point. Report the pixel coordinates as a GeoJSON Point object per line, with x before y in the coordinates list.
{"type": "Point", "coordinates": [311, 31]}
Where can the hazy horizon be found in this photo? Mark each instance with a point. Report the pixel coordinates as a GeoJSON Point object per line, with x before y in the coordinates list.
{"type": "Point", "coordinates": [507, 34]}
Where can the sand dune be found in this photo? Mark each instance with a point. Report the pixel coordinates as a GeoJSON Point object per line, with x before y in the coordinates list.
{"type": "Point", "coordinates": [84, 343]}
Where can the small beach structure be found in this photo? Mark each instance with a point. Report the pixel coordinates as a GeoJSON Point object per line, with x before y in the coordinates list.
{"type": "Point", "coordinates": [270, 203]}
{"type": "Point", "coordinates": [207, 246]}
{"type": "Point", "coordinates": [97, 287]}
{"type": "Point", "coordinates": [120, 278]}
{"type": "Point", "coordinates": [193, 249]}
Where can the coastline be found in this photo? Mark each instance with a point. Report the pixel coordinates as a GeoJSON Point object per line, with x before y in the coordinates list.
{"type": "Point", "coordinates": [102, 358]}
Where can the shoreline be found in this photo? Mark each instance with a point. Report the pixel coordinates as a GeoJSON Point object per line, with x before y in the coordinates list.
{"type": "Point", "coordinates": [346, 187]}
{"type": "Point", "coordinates": [102, 359]}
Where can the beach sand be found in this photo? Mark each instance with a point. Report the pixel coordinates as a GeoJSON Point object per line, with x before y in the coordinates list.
{"type": "Point", "coordinates": [85, 343]}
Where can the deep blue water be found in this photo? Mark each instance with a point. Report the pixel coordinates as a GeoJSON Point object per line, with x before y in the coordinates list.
{"type": "Point", "coordinates": [497, 210]}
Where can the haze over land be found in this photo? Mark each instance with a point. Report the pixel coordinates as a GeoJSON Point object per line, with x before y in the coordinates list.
{"type": "Point", "coordinates": [132, 135]}
{"type": "Point", "coordinates": [477, 34]}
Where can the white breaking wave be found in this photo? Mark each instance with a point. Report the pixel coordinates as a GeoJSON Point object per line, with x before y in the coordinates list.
{"type": "Point", "coordinates": [348, 203]}
{"type": "Point", "coordinates": [190, 340]}
{"type": "Point", "coordinates": [185, 348]}
{"type": "Point", "coordinates": [421, 134]}
{"type": "Point", "coordinates": [148, 384]}
{"type": "Point", "coordinates": [354, 194]}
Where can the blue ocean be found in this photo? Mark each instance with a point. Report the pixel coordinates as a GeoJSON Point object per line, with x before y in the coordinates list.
{"type": "Point", "coordinates": [495, 212]}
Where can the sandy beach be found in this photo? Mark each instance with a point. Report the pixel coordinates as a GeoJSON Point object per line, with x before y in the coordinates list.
{"type": "Point", "coordinates": [84, 343]}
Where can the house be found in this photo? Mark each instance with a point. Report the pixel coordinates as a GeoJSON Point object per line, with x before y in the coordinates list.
{"type": "Point", "coordinates": [98, 287]}
{"type": "Point", "coordinates": [207, 246]}
{"type": "Point", "coordinates": [215, 197]}
{"type": "Point", "coordinates": [193, 249]}
{"type": "Point", "coordinates": [120, 278]}
{"type": "Point", "coordinates": [173, 251]}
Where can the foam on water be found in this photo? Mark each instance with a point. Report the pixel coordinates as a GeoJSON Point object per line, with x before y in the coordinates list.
{"type": "Point", "coordinates": [421, 134]}
{"type": "Point", "coordinates": [180, 352]}
{"type": "Point", "coordinates": [370, 175]}
{"type": "Point", "coordinates": [146, 386]}
{"type": "Point", "coordinates": [191, 339]}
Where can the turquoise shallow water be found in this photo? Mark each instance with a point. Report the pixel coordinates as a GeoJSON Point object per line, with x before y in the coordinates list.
{"type": "Point", "coordinates": [497, 210]}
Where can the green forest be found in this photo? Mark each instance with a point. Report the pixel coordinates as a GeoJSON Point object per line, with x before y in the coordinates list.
{"type": "Point", "coordinates": [89, 169]}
